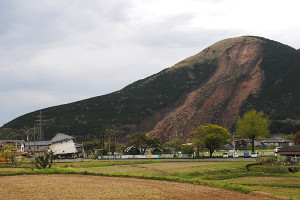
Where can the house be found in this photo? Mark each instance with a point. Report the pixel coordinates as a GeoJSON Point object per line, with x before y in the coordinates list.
{"type": "Point", "coordinates": [62, 144]}
{"type": "Point", "coordinates": [277, 141]}
{"type": "Point", "coordinates": [20, 144]}
{"type": "Point", "coordinates": [36, 146]}
{"type": "Point", "coordinates": [290, 151]}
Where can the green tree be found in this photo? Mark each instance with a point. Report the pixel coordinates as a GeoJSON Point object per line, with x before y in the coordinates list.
{"type": "Point", "coordinates": [211, 136]}
{"type": "Point", "coordinates": [187, 149]}
{"type": "Point", "coordinates": [198, 144]}
{"type": "Point", "coordinates": [174, 144]}
{"type": "Point", "coordinates": [252, 125]}
{"type": "Point", "coordinates": [296, 138]}
{"type": "Point", "coordinates": [141, 141]}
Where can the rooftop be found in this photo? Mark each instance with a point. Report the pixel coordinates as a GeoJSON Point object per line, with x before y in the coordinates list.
{"type": "Point", "coordinates": [295, 148]}
{"type": "Point", "coordinates": [61, 137]}
{"type": "Point", "coordinates": [276, 140]}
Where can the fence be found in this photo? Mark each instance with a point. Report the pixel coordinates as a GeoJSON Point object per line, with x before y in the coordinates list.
{"type": "Point", "coordinates": [146, 156]}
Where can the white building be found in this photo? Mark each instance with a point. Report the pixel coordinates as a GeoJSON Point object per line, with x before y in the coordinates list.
{"type": "Point", "coordinates": [62, 144]}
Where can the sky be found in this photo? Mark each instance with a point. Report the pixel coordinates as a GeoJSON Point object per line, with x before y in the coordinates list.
{"type": "Point", "coordinates": [54, 52]}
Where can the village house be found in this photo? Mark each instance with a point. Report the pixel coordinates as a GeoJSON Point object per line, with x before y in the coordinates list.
{"type": "Point", "coordinates": [290, 151]}
{"type": "Point", "coordinates": [277, 141]}
{"type": "Point", "coordinates": [62, 144]}
{"type": "Point", "coordinates": [36, 147]}
{"type": "Point", "coordinates": [19, 144]}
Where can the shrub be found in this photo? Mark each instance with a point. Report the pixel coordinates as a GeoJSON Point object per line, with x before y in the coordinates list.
{"type": "Point", "coordinates": [91, 157]}
{"type": "Point", "coordinates": [45, 161]}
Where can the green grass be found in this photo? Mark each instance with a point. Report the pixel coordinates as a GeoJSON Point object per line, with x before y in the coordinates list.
{"type": "Point", "coordinates": [228, 175]}
{"type": "Point", "coordinates": [92, 164]}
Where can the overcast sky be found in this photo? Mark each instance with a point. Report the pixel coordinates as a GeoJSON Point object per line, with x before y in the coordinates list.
{"type": "Point", "coordinates": [54, 52]}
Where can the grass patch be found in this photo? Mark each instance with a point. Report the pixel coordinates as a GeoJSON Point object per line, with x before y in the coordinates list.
{"type": "Point", "coordinates": [101, 164]}
{"type": "Point", "coordinates": [291, 193]}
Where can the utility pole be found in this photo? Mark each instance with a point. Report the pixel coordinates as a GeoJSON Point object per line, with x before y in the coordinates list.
{"type": "Point", "coordinates": [233, 146]}
{"type": "Point", "coordinates": [108, 147]}
{"type": "Point", "coordinates": [176, 134]}
{"type": "Point", "coordinates": [34, 131]}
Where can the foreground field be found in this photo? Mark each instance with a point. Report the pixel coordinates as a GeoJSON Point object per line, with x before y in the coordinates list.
{"type": "Point", "coordinates": [275, 180]}
{"type": "Point", "coordinates": [231, 175]}
{"type": "Point", "coordinates": [97, 187]}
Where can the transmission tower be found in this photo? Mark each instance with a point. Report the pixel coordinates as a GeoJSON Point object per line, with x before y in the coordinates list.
{"type": "Point", "coordinates": [40, 124]}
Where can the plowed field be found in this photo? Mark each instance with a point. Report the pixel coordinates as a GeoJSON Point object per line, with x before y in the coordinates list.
{"type": "Point", "coordinates": [97, 187]}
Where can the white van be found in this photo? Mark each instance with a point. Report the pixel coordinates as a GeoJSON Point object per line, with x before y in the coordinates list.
{"type": "Point", "coordinates": [254, 154]}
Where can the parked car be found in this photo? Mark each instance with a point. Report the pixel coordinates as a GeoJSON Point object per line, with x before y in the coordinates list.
{"type": "Point", "coordinates": [74, 156]}
{"type": "Point", "coordinates": [254, 154]}
{"type": "Point", "coordinates": [225, 155]}
{"type": "Point", "coordinates": [246, 154]}
{"type": "Point", "coordinates": [235, 155]}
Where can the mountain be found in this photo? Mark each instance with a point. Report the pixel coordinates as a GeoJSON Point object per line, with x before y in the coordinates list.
{"type": "Point", "coordinates": [213, 86]}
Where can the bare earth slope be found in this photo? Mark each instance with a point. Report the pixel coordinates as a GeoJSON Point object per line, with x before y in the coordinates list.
{"type": "Point", "coordinates": [96, 187]}
{"type": "Point", "coordinates": [220, 97]}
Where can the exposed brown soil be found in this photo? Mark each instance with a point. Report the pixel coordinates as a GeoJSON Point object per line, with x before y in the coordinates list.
{"type": "Point", "coordinates": [220, 98]}
{"type": "Point", "coordinates": [97, 187]}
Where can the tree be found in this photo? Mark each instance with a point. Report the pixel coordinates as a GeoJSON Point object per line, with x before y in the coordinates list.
{"type": "Point", "coordinates": [252, 125]}
{"type": "Point", "coordinates": [187, 149]}
{"type": "Point", "coordinates": [112, 132]}
{"type": "Point", "coordinates": [296, 138]}
{"type": "Point", "coordinates": [9, 153]}
{"type": "Point", "coordinates": [198, 144]}
{"type": "Point", "coordinates": [211, 136]}
{"type": "Point", "coordinates": [142, 142]}
{"type": "Point", "coordinates": [174, 144]}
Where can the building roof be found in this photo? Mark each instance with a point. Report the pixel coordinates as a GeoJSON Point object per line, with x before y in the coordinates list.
{"type": "Point", "coordinates": [295, 148]}
{"type": "Point", "coordinates": [60, 137]}
{"type": "Point", "coordinates": [11, 142]}
{"type": "Point", "coordinates": [37, 143]}
{"type": "Point", "coordinates": [276, 140]}
{"type": "Point", "coordinates": [78, 145]}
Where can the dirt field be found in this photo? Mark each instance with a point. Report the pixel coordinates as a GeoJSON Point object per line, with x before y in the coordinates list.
{"type": "Point", "coordinates": [97, 187]}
